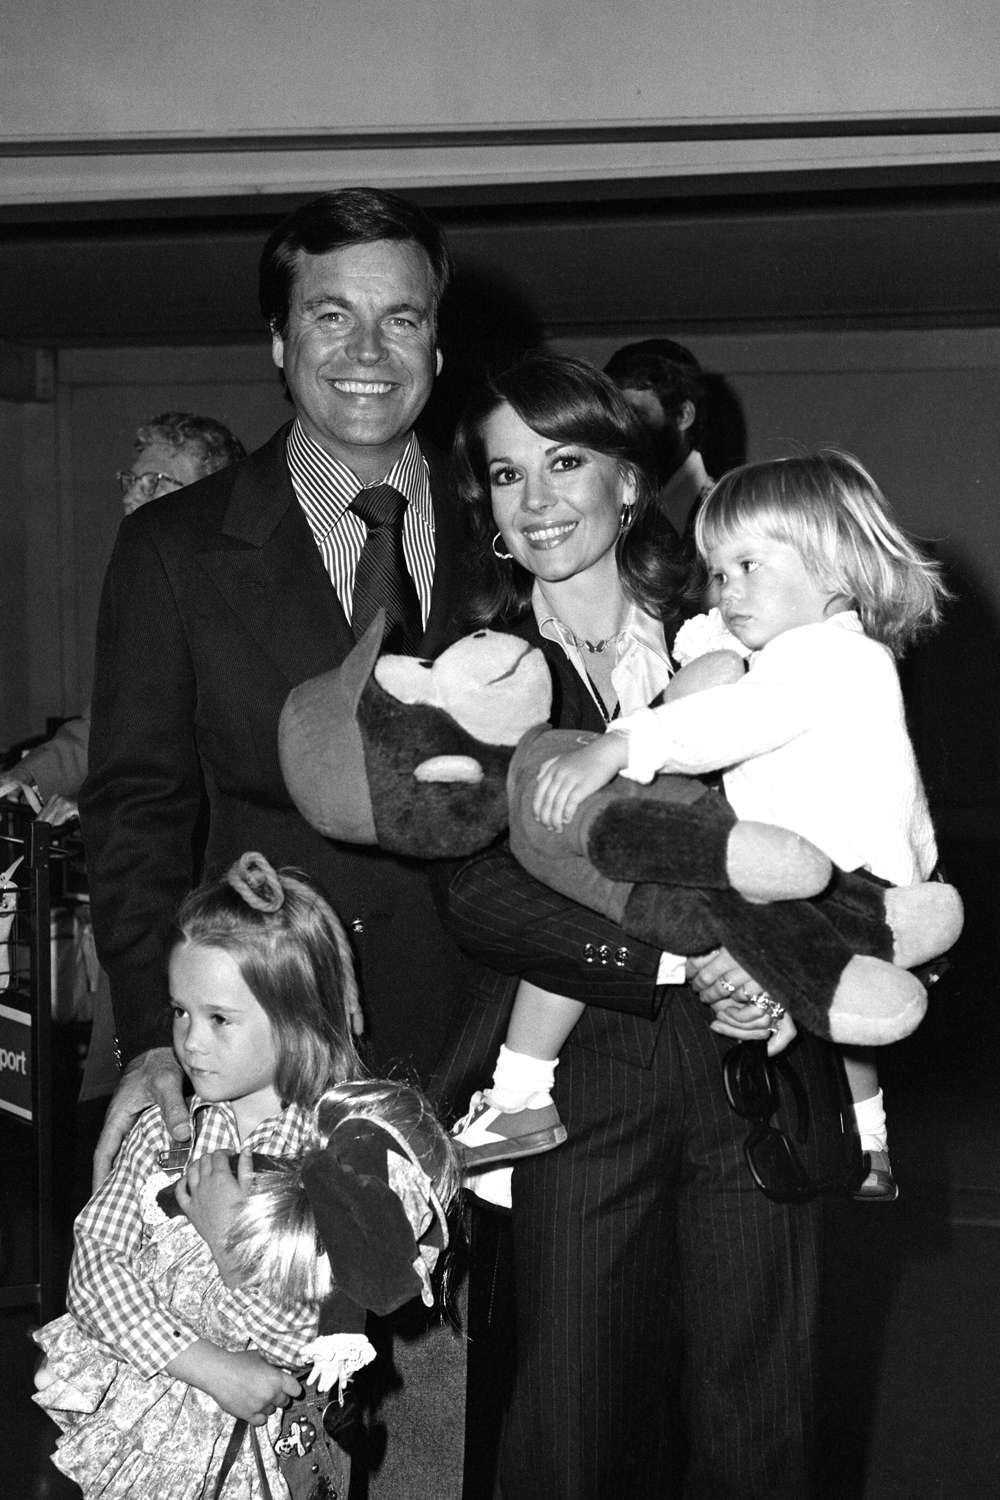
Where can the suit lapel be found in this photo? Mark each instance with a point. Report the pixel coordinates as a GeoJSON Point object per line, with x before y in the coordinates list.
{"type": "Point", "coordinates": [266, 565]}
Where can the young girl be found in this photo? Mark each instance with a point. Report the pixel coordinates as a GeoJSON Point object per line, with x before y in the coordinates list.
{"type": "Point", "coordinates": [178, 1322]}
{"type": "Point", "coordinates": [817, 583]}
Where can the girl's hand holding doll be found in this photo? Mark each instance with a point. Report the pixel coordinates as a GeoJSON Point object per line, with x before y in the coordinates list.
{"type": "Point", "coordinates": [211, 1197]}
{"type": "Point", "coordinates": [241, 1381]}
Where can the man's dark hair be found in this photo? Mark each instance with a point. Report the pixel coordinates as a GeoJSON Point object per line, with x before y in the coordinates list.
{"type": "Point", "coordinates": [350, 216]}
{"type": "Point", "coordinates": [667, 369]}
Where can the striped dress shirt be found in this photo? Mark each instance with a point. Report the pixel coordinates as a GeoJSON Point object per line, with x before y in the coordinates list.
{"type": "Point", "coordinates": [325, 488]}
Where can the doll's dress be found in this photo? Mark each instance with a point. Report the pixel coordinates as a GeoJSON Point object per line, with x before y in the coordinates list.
{"type": "Point", "coordinates": [152, 1437]}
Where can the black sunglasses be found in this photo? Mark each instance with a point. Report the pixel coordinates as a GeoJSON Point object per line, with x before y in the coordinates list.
{"type": "Point", "coordinates": [752, 1088]}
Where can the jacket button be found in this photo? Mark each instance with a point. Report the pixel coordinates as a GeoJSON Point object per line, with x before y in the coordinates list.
{"type": "Point", "coordinates": [621, 958]}
{"type": "Point", "coordinates": [604, 953]}
{"type": "Point", "coordinates": [589, 953]}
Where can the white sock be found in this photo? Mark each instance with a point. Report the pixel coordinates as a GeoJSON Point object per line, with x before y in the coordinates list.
{"type": "Point", "coordinates": [869, 1115]}
{"type": "Point", "coordinates": [522, 1082]}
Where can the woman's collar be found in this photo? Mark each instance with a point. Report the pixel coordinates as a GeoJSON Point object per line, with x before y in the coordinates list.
{"type": "Point", "coordinates": [642, 662]}
{"type": "Point", "coordinates": [638, 627]}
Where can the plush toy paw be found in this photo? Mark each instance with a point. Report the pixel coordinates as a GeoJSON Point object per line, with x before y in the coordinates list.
{"type": "Point", "coordinates": [795, 951]}
{"type": "Point", "coordinates": [925, 920]}
{"type": "Point", "coordinates": [702, 844]}
{"type": "Point", "coordinates": [875, 1003]}
{"type": "Point", "coordinates": [766, 863]}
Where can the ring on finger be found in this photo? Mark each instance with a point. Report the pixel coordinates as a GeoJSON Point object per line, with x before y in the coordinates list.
{"type": "Point", "coordinates": [772, 1008]}
{"type": "Point", "coordinates": [726, 987]}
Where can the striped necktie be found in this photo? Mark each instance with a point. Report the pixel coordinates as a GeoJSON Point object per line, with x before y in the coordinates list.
{"type": "Point", "coordinates": [381, 579]}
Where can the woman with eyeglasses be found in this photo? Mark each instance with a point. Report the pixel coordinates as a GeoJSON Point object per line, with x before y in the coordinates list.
{"type": "Point", "coordinates": [666, 1308]}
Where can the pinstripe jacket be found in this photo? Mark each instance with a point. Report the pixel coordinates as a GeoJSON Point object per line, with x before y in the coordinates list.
{"type": "Point", "coordinates": [517, 926]}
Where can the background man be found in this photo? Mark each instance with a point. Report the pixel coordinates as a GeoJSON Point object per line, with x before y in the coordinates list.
{"type": "Point", "coordinates": [169, 452]}
{"type": "Point", "coordinates": [217, 604]}
{"type": "Point", "coordinates": [665, 387]}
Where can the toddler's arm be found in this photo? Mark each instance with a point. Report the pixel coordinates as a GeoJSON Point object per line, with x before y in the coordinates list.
{"type": "Point", "coordinates": [566, 780]}
{"type": "Point", "coordinates": [242, 1381]}
{"type": "Point", "coordinates": [715, 669]}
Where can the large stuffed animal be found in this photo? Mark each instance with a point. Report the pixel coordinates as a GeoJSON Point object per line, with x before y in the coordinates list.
{"type": "Point", "coordinates": [437, 759]}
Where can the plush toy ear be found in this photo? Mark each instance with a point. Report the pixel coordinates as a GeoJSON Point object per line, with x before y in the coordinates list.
{"type": "Point", "coordinates": [320, 749]}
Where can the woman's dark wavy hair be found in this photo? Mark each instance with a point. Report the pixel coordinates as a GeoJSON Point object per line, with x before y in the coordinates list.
{"type": "Point", "coordinates": [569, 401]}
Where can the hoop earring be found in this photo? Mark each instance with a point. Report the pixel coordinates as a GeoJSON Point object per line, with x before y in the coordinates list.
{"type": "Point", "coordinates": [625, 519]}
{"type": "Point", "coordinates": [500, 556]}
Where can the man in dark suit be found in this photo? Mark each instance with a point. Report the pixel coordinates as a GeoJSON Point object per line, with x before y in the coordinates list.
{"type": "Point", "coordinates": [665, 387]}
{"type": "Point", "coordinates": [219, 601]}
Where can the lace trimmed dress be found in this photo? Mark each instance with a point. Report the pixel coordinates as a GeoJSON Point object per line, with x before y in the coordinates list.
{"type": "Point", "coordinates": [134, 1431]}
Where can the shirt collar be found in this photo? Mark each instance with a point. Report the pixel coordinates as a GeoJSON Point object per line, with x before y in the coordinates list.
{"type": "Point", "coordinates": [642, 663]}
{"type": "Point", "coordinates": [325, 487]}
{"type": "Point", "coordinates": [288, 1129]}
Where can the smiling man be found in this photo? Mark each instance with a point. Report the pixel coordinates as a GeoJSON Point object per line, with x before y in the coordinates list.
{"type": "Point", "coordinates": [358, 348]}
{"type": "Point", "coordinates": [220, 600]}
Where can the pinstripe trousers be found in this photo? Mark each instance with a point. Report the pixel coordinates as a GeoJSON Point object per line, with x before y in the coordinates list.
{"type": "Point", "coordinates": [666, 1311]}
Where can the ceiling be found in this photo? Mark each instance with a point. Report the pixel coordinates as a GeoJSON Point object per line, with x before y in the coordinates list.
{"type": "Point", "coordinates": [855, 255]}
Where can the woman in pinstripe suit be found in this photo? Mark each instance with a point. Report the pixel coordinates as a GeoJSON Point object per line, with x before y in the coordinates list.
{"type": "Point", "coordinates": [666, 1310]}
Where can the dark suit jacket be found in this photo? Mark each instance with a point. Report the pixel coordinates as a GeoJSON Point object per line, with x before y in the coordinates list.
{"type": "Point", "coordinates": [216, 603]}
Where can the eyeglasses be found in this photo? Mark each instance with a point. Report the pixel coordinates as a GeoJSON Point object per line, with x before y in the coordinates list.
{"type": "Point", "coordinates": [751, 1081]}
{"type": "Point", "coordinates": [147, 484]}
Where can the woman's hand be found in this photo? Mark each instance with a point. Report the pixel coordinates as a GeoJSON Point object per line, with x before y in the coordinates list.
{"type": "Point", "coordinates": [732, 994]}
{"type": "Point", "coordinates": [211, 1197]}
{"type": "Point", "coordinates": [745, 1022]}
{"type": "Point", "coordinates": [566, 780]}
